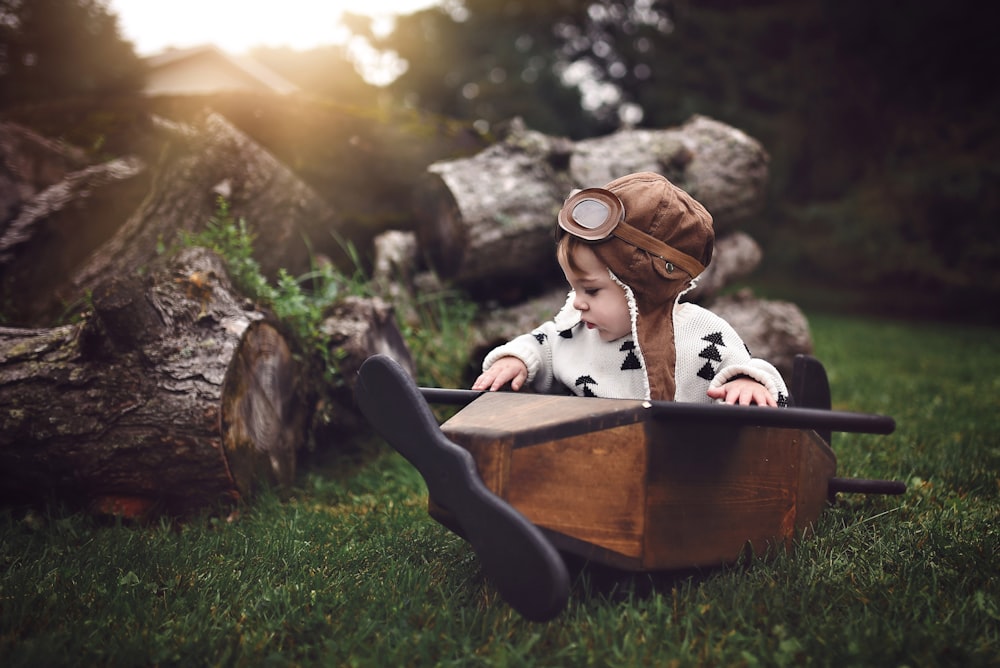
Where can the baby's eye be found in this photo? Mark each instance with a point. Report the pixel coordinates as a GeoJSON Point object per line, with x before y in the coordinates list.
{"type": "Point", "coordinates": [590, 292]}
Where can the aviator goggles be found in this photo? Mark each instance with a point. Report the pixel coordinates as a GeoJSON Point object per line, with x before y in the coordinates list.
{"type": "Point", "coordinates": [595, 214]}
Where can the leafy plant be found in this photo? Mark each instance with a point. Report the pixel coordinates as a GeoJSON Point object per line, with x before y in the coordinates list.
{"type": "Point", "coordinates": [436, 325]}
{"type": "Point", "coordinates": [300, 303]}
{"type": "Point", "coordinates": [438, 332]}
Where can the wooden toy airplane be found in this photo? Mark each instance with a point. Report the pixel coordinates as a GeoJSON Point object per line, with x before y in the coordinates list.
{"type": "Point", "coordinates": [636, 485]}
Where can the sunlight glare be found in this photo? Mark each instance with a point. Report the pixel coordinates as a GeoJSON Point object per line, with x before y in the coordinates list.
{"type": "Point", "coordinates": [237, 26]}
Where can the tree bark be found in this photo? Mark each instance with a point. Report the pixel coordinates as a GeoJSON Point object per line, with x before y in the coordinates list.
{"type": "Point", "coordinates": [172, 396]}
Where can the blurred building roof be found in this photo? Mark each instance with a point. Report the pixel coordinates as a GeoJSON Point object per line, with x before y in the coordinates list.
{"type": "Point", "coordinates": [207, 69]}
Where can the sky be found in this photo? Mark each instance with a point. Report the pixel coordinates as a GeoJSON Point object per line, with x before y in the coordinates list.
{"type": "Point", "coordinates": [237, 26]}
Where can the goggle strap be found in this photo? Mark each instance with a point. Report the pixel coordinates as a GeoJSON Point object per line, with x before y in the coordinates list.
{"type": "Point", "coordinates": [650, 244]}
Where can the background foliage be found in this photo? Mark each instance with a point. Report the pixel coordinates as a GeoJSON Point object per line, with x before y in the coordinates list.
{"type": "Point", "coordinates": [880, 120]}
{"type": "Point", "coordinates": [56, 48]}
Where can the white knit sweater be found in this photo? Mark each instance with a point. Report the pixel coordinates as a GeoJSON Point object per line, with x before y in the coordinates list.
{"type": "Point", "coordinates": [563, 353]}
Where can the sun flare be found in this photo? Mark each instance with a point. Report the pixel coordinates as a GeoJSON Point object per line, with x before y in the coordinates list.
{"type": "Point", "coordinates": [237, 26]}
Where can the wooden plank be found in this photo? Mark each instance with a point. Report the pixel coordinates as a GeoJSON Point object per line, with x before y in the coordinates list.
{"type": "Point", "coordinates": [573, 468]}
{"type": "Point", "coordinates": [818, 465]}
{"type": "Point", "coordinates": [821, 420]}
{"type": "Point", "coordinates": [576, 468]}
{"type": "Point", "coordinates": [530, 419]}
{"type": "Point", "coordinates": [492, 461]}
{"type": "Point", "coordinates": [589, 487]}
{"type": "Point", "coordinates": [715, 490]}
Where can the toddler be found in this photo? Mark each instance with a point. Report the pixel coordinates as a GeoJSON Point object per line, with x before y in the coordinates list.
{"type": "Point", "coordinates": [629, 251]}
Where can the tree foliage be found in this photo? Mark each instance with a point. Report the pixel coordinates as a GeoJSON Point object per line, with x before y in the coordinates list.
{"type": "Point", "coordinates": [52, 49]}
{"type": "Point", "coordinates": [564, 65]}
{"type": "Point", "coordinates": [878, 119]}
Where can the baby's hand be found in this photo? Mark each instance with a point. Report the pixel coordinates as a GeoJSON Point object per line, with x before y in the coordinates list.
{"type": "Point", "coordinates": [505, 370]}
{"type": "Point", "coordinates": [743, 391]}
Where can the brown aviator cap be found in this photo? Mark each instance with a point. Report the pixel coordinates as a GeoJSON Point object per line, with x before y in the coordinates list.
{"type": "Point", "coordinates": [659, 208]}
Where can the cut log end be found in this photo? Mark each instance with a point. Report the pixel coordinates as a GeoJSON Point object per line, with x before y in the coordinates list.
{"type": "Point", "coordinates": [261, 423]}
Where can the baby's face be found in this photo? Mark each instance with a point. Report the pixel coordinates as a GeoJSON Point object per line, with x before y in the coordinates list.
{"type": "Point", "coordinates": [600, 299]}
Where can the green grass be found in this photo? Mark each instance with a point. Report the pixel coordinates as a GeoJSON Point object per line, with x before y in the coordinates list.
{"type": "Point", "coordinates": [349, 570]}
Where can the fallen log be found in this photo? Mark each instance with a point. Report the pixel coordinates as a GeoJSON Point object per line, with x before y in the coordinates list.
{"type": "Point", "coordinates": [736, 255]}
{"type": "Point", "coordinates": [63, 235]}
{"type": "Point", "coordinates": [30, 163]}
{"type": "Point", "coordinates": [486, 222]}
{"type": "Point", "coordinates": [56, 229]}
{"type": "Point", "coordinates": [720, 166]}
{"type": "Point", "coordinates": [172, 396]}
{"type": "Point", "coordinates": [355, 329]}
{"type": "Point", "coordinates": [201, 164]}
{"type": "Point", "coordinates": [489, 217]}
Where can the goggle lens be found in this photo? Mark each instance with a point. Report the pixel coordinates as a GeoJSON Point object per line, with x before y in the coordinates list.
{"type": "Point", "coordinates": [591, 214]}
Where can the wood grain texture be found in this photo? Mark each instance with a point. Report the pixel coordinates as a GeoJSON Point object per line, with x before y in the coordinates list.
{"type": "Point", "coordinates": [607, 481]}
{"type": "Point", "coordinates": [172, 397]}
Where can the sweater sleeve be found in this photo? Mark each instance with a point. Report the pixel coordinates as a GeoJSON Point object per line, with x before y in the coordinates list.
{"type": "Point", "coordinates": [535, 350]}
{"type": "Point", "coordinates": [710, 349]}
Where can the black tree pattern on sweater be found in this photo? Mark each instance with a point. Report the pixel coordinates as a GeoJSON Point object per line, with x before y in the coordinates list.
{"type": "Point", "coordinates": [711, 354]}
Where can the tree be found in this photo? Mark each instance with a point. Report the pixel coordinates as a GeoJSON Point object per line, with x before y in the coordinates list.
{"type": "Point", "coordinates": [490, 60]}
{"type": "Point", "coordinates": [51, 49]}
